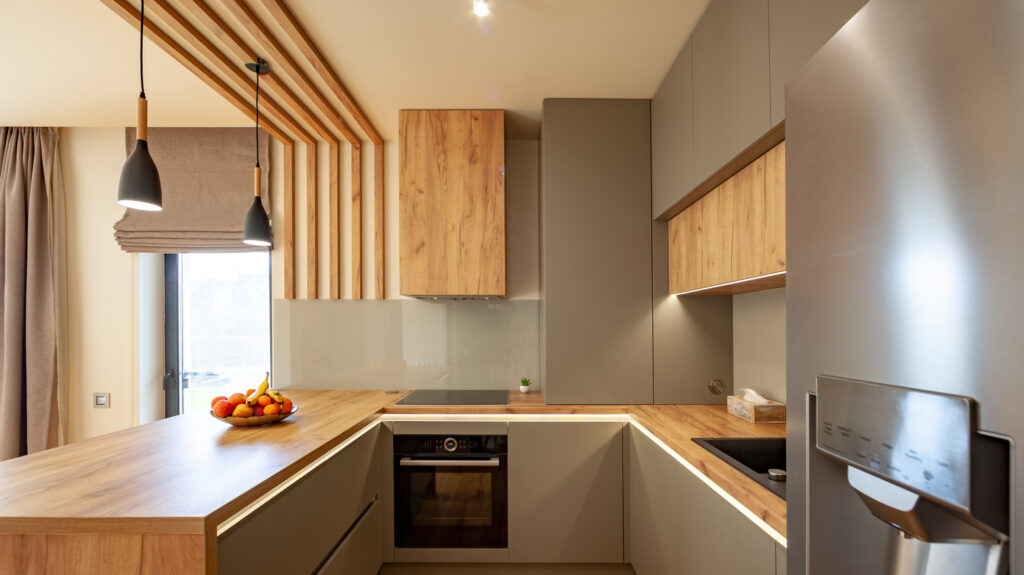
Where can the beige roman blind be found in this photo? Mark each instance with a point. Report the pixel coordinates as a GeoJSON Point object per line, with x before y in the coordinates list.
{"type": "Point", "coordinates": [206, 177]}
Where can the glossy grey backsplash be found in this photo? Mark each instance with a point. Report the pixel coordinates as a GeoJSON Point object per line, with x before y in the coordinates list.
{"type": "Point", "coordinates": [405, 344]}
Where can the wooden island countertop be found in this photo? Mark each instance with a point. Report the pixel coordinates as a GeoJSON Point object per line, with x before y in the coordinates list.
{"type": "Point", "coordinates": [165, 487]}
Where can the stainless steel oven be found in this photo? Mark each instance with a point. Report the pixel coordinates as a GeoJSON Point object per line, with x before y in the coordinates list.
{"type": "Point", "coordinates": [451, 492]}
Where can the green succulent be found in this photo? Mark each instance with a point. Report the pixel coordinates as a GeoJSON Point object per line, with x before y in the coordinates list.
{"type": "Point", "coordinates": [525, 381]}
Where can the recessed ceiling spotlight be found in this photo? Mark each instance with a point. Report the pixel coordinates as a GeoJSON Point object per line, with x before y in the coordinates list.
{"type": "Point", "coordinates": [480, 8]}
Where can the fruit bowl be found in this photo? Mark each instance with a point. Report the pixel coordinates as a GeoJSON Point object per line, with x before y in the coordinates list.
{"type": "Point", "coordinates": [254, 420]}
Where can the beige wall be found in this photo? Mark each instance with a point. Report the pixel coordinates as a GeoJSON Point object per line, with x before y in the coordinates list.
{"type": "Point", "coordinates": [759, 342]}
{"type": "Point", "coordinates": [100, 283]}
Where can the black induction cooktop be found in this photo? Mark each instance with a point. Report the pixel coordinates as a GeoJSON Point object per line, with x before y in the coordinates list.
{"type": "Point", "coordinates": [456, 397]}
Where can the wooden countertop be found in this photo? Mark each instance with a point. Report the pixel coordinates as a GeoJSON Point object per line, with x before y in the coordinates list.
{"type": "Point", "coordinates": [675, 426]}
{"type": "Point", "coordinates": [189, 473]}
{"type": "Point", "coordinates": [176, 475]}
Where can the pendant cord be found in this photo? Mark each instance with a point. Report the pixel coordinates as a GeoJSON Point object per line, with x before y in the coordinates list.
{"type": "Point", "coordinates": [257, 112]}
{"type": "Point", "coordinates": [142, 27]}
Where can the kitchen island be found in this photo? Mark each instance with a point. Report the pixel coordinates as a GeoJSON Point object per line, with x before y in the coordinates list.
{"type": "Point", "coordinates": [153, 498]}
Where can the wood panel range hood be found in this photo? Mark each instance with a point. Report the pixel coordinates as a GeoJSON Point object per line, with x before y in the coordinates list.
{"type": "Point", "coordinates": [452, 204]}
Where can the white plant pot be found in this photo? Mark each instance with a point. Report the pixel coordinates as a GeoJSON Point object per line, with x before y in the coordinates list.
{"type": "Point", "coordinates": [524, 389]}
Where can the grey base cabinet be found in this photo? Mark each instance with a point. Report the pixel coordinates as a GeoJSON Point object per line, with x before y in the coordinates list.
{"type": "Point", "coordinates": [678, 525]}
{"type": "Point", "coordinates": [309, 520]}
{"type": "Point", "coordinates": [715, 538]}
{"type": "Point", "coordinates": [359, 552]}
{"type": "Point", "coordinates": [653, 521]}
{"type": "Point", "coordinates": [565, 492]}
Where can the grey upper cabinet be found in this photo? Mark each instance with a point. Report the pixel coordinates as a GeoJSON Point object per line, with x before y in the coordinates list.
{"type": "Point", "coordinates": [565, 495]}
{"type": "Point", "coordinates": [727, 87]}
{"type": "Point", "coordinates": [799, 28]}
{"type": "Point", "coordinates": [716, 538]}
{"type": "Point", "coordinates": [672, 173]}
{"type": "Point", "coordinates": [596, 251]}
{"type": "Point", "coordinates": [731, 107]}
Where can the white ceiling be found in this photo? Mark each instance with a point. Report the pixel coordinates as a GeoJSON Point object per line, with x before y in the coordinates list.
{"type": "Point", "coordinates": [73, 62]}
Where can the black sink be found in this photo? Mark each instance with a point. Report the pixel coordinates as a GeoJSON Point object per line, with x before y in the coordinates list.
{"type": "Point", "coordinates": [753, 456]}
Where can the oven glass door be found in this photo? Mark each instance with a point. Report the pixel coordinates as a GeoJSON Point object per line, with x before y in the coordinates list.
{"type": "Point", "coordinates": [458, 503]}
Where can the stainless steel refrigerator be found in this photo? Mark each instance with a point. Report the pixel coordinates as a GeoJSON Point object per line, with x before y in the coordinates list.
{"type": "Point", "coordinates": [905, 219]}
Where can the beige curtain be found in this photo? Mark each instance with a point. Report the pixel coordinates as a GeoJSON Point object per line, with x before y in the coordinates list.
{"type": "Point", "coordinates": [29, 395]}
{"type": "Point", "coordinates": [207, 177]}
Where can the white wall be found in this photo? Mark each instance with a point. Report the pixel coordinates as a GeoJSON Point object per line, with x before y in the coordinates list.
{"type": "Point", "coordinates": [759, 342]}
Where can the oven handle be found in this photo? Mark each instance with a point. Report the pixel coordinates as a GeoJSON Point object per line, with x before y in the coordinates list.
{"type": "Point", "coordinates": [410, 462]}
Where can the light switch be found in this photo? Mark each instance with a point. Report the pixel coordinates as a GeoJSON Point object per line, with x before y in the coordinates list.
{"type": "Point", "coordinates": [101, 400]}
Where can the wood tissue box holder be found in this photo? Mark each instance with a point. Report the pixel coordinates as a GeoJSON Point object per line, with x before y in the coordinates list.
{"type": "Point", "coordinates": [771, 412]}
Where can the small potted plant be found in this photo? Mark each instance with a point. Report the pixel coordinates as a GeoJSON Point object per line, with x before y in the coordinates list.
{"type": "Point", "coordinates": [524, 385]}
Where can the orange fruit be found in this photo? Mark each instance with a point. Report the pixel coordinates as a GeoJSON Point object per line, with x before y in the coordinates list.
{"type": "Point", "coordinates": [236, 398]}
{"type": "Point", "coordinates": [215, 400]}
{"type": "Point", "coordinates": [286, 407]}
{"type": "Point", "coordinates": [248, 392]}
{"type": "Point", "coordinates": [264, 400]}
{"type": "Point", "coordinates": [242, 410]}
{"type": "Point", "coordinates": [222, 408]}
{"type": "Point", "coordinates": [271, 409]}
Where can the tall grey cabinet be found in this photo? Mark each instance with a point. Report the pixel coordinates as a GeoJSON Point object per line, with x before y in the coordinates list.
{"type": "Point", "coordinates": [596, 251]}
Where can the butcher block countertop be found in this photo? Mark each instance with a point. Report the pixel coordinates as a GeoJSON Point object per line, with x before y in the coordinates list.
{"type": "Point", "coordinates": [675, 426]}
{"type": "Point", "coordinates": [187, 474]}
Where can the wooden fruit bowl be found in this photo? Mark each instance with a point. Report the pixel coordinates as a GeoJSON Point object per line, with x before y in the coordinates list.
{"type": "Point", "coordinates": [255, 420]}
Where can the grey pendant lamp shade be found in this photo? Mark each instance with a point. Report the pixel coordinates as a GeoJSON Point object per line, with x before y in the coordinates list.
{"type": "Point", "coordinates": [257, 224]}
{"type": "Point", "coordinates": [139, 187]}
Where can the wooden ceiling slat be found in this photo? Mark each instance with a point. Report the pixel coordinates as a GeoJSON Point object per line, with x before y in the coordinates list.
{"type": "Point", "coordinates": [279, 56]}
{"type": "Point", "coordinates": [298, 35]}
{"type": "Point", "coordinates": [334, 206]}
{"type": "Point", "coordinates": [312, 255]}
{"type": "Point", "coordinates": [170, 18]}
{"type": "Point", "coordinates": [357, 224]}
{"type": "Point", "coordinates": [378, 220]}
{"type": "Point", "coordinates": [128, 12]}
{"type": "Point", "coordinates": [237, 48]}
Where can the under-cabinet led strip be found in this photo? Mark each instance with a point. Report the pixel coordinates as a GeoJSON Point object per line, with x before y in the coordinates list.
{"type": "Point", "coordinates": [726, 284]}
{"type": "Point", "coordinates": [623, 417]}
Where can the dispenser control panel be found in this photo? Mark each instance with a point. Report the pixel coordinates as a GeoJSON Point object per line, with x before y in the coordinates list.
{"type": "Point", "coordinates": [918, 439]}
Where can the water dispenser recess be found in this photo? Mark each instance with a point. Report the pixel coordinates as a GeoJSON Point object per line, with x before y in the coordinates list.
{"type": "Point", "coordinates": [918, 463]}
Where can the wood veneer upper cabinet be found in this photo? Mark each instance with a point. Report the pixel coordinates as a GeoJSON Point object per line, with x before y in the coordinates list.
{"type": "Point", "coordinates": [748, 221]}
{"type": "Point", "coordinates": [735, 236]}
{"type": "Point", "coordinates": [452, 202]}
{"type": "Point", "coordinates": [686, 240]}
{"type": "Point", "coordinates": [775, 209]}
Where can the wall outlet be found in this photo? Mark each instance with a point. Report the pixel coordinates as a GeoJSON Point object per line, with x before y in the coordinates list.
{"type": "Point", "coordinates": [101, 400]}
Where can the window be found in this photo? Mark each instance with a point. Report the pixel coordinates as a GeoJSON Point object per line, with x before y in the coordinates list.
{"type": "Point", "coordinates": [217, 326]}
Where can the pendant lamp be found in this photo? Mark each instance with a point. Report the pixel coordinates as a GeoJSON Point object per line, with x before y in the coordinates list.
{"type": "Point", "coordinates": [139, 187]}
{"type": "Point", "coordinates": [257, 224]}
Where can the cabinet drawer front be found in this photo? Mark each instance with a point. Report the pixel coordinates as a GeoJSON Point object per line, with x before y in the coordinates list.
{"type": "Point", "coordinates": [360, 552]}
{"type": "Point", "coordinates": [308, 519]}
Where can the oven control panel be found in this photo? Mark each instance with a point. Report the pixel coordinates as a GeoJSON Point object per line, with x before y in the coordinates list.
{"type": "Point", "coordinates": [450, 444]}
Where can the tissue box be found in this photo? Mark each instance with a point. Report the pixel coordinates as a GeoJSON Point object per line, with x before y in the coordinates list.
{"type": "Point", "coordinates": [771, 412]}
